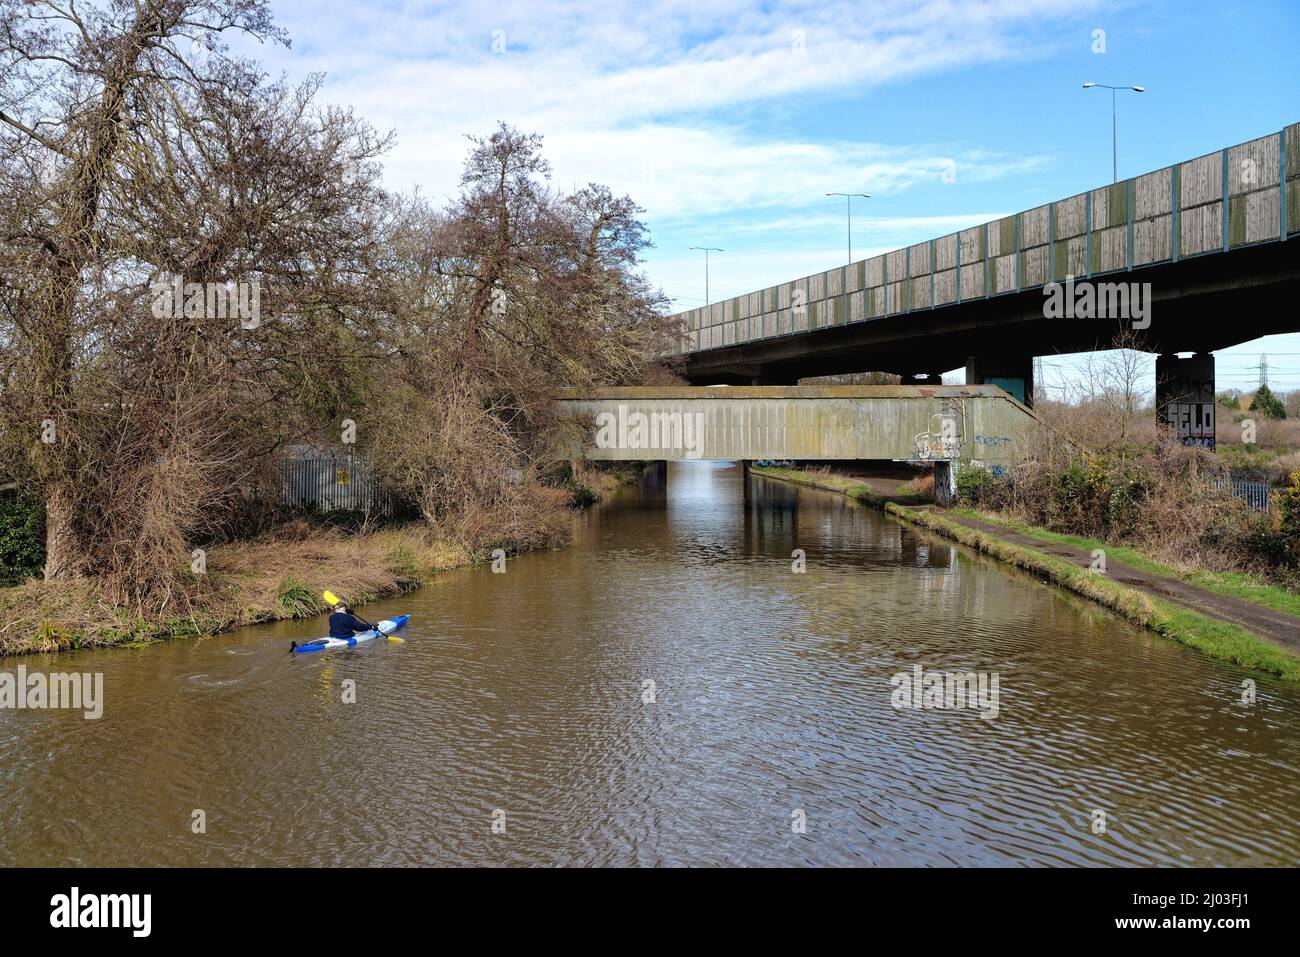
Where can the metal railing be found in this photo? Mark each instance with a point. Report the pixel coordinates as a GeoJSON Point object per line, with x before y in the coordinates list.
{"type": "Point", "coordinates": [331, 483]}
{"type": "Point", "coordinates": [1254, 493]}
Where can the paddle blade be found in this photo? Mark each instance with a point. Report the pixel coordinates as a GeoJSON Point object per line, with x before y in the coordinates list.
{"type": "Point", "coordinates": [395, 638]}
{"type": "Point", "coordinates": [332, 598]}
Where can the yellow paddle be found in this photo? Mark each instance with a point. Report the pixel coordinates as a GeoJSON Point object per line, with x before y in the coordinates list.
{"type": "Point", "coordinates": [334, 599]}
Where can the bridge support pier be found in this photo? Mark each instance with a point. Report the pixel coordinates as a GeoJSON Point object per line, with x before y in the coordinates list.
{"type": "Point", "coordinates": [1185, 397]}
{"type": "Point", "coordinates": [1013, 374]}
{"type": "Point", "coordinates": [945, 483]}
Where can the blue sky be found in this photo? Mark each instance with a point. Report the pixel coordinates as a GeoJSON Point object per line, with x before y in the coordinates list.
{"type": "Point", "coordinates": [729, 121]}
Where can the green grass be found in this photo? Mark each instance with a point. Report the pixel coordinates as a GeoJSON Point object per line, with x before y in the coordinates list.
{"type": "Point", "coordinates": [298, 600]}
{"type": "Point", "coordinates": [1229, 584]}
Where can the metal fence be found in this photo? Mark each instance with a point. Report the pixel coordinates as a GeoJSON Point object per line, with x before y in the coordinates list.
{"type": "Point", "coordinates": [330, 483]}
{"type": "Point", "coordinates": [1253, 493]}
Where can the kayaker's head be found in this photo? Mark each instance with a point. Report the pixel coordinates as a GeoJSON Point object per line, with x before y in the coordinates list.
{"type": "Point", "coordinates": [340, 608]}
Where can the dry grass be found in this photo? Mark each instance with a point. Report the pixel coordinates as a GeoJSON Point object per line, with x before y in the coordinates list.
{"type": "Point", "coordinates": [276, 576]}
{"type": "Point", "coordinates": [920, 487]}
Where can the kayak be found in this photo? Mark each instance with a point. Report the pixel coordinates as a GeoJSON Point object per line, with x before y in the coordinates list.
{"type": "Point", "coordinates": [381, 629]}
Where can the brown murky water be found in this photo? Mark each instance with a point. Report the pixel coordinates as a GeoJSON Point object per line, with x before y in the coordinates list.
{"type": "Point", "coordinates": [523, 693]}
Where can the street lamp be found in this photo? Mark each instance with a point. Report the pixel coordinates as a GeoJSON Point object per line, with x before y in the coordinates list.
{"type": "Point", "coordinates": [707, 250]}
{"type": "Point", "coordinates": [848, 208]}
{"type": "Point", "coordinates": [1114, 165]}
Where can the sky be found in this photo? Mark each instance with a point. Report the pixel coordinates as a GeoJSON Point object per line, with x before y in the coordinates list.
{"type": "Point", "coordinates": [728, 122]}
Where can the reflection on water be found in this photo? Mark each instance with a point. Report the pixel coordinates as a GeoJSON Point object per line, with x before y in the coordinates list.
{"type": "Point", "coordinates": [525, 693]}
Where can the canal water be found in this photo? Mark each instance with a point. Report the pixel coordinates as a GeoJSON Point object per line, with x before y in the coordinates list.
{"type": "Point", "coordinates": [671, 690]}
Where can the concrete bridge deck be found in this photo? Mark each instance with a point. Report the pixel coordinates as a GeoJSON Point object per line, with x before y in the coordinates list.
{"type": "Point", "coordinates": [955, 424]}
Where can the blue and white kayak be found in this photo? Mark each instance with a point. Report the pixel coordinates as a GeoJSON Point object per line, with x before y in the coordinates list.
{"type": "Point", "coordinates": [382, 629]}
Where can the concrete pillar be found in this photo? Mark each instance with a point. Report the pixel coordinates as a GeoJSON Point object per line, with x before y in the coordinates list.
{"type": "Point", "coordinates": [945, 483]}
{"type": "Point", "coordinates": [1185, 397]}
{"type": "Point", "coordinates": [1013, 374]}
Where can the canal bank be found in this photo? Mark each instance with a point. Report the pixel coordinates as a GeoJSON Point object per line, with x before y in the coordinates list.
{"type": "Point", "coordinates": [277, 576]}
{"type": "Point", "coordinates": [1259, 634]}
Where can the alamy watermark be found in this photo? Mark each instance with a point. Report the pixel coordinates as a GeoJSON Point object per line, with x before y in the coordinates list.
{"type": "Point", "coordinates": [38, 691]}
{"type": "Point", "coordinates": [923, 690]}
{"type": "Point", "coordinates": [641, 431]}
{"type": "Point", "coordinates": [174, 298]}
{"type": "Point", "coordinates": [75, 909]}
{"type": "Point", "coordinates": [1098, 300]}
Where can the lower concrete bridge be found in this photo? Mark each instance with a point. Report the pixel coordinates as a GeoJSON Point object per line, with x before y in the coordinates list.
{"type": "Point", "coordinates": [950, 425]}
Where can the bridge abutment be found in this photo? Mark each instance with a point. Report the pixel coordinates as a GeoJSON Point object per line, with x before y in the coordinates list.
{"type": "Point", "coordinates": [1185, 396]}
{"type": "Point", "coordinates": [1013, 374]}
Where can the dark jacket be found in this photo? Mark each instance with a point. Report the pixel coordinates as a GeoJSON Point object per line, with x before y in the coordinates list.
{"type": "Point", "coordinates": [342, 625]}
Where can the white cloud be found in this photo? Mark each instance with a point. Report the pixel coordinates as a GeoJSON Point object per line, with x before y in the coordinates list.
{"type": "Point", "coordinates": [666, 101]}
{"type": "Point", "coordinates": [614, 82]}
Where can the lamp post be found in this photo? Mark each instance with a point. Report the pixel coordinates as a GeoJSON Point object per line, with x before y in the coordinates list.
{"type": "Point", "coordinates": [707, 250]}
{"type": "Point", "coordinates": [848, 208]}
{"type": "Point", "coordinates": [1114, 161]}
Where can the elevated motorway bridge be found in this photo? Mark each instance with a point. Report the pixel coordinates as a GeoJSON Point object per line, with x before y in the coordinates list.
{"type": "Point", "coordinates": [1191, 258]}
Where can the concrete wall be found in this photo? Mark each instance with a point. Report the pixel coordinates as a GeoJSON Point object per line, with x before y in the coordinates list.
{"type": "Point", "coordinates": [972, 424]}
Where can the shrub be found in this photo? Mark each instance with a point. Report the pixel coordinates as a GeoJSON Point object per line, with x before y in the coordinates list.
{"type": "Point", "coordinates": [296, 598]}
{"type": "Point", "coordinates": [560, 475]}
{"type": "Point", "coordinates": [1148, 491]}
{"type": "Point", "coordinates": [978, 486]}
{"type": "Point", "coordinates": [22, 539]}
{"type": "Point", "coordinates": [1288, 507]}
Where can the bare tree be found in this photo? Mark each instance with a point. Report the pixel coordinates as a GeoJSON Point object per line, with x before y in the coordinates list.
{"type": "Point", "coordinates": [134, 148]}
{"type": "Point", "coordinates": [514, 289]}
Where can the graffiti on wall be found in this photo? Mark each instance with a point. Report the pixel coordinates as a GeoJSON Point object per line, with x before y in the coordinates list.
{"type": "Point", "coordinates": [1193, 421]}
{"type": "Point", "coordinates": [941, 440]}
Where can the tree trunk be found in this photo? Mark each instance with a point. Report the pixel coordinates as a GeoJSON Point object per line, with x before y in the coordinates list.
{"type": "Point", "coordinates": [64, 555]}
{"type": "Point", "coordinates": [65, 552]}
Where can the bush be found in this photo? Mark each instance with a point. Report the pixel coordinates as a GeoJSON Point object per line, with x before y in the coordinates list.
{"type": "Point", "coordinates": [1271, 545]}
{"type": "Point", "coordinates": [22, 539]}
{"type": "Point", "coordinates": [1166, 499]}
{"type": "Point", "coordinates": [297, 599]}
{"type": "Point", "coordinates": [1288, 508]}
{"type": "Point", "coordinates": [560, 475]}
{"type": "Point", "coordinates": [978, 486]}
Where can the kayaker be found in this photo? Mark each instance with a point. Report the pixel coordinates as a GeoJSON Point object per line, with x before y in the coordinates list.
{"type": "Point", "coordinates": [344, 625]}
